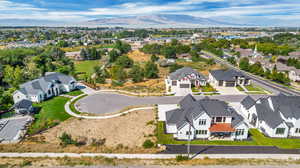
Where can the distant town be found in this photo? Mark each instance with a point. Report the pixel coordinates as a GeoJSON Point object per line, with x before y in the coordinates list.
{"type": "Point", "coordinates": [163, 93]}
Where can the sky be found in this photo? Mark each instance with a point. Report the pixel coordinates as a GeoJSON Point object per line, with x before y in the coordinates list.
{"type": "Point", "coordinates": [82, 10]}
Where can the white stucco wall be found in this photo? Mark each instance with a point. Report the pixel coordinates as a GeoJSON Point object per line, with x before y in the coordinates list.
{"type": "Point", "coordinates": [246, 130]}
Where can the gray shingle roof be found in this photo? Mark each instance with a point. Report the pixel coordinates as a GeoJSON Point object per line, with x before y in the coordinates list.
{"type": "Point", "coordinates": [227, 75]}
{"type": "Point", "coordinates": [289, 106]}
{"type": "Point", "coordinates": [23, 104]}
{"type": "Point", "coordinates": [190, 109]}
{"type": "Point", "coordinates": [248, 102]}
{"type": "Point", "coordinates": [183, 72]}
{"type": "Point", "coordinates": [265, 113]}
{"type": "Point", "coordinates": [41, 84]}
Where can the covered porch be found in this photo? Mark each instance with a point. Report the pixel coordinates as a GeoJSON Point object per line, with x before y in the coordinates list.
{"type": "Point", "coordinates": [221, 131]}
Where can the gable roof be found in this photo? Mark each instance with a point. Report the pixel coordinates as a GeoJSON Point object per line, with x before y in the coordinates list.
{"type": "Point", "coordinates": [41, 84]}
{"type": "Point", "coordinates": [185, 71]}
{"type": "Point", "coordinates": [288, 106]}
{"type": "Point", "coordinates": [227, 75]}
{"type": "Point", "coordinates": [190, 109]}
{"type": "Point", "coordinates": [248, 102]}
{"type": "Point", "coordinates": [265, 113]}
{"type": "Point", "coordinates": [23, 104]}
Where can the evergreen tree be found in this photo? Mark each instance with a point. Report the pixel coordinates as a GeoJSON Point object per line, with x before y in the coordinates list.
{"type": "Point", "coordinates": [151, 70]}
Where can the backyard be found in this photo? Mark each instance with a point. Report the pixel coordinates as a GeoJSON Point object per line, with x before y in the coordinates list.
{"type": "Point", "coordinates": [50, 113]}
{"type": "Point", "coordinates": [258, 139]}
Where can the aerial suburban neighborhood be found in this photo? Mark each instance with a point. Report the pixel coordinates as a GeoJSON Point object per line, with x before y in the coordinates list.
{"type": "Point", "coordinates": [181, 83]}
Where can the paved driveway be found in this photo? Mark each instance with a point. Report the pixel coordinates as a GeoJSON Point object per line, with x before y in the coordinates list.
{"type": "Point", "coordinates": [102, 103]}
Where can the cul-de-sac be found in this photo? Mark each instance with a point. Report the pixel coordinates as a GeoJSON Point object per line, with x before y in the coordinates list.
{"type": "Point", "coordinates": [149, 96]}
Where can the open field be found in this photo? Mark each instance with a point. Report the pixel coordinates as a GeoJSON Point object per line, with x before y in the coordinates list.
{"type": "Point", "coordinates": [102, 162]}
{"type": "Point", "coordinates": [258, 139]}
{"type": "Point", "coordinates": [51, 113]}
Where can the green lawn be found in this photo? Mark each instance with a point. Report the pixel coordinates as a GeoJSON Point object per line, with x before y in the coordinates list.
{"type": "Point", "coordinates": [208, 88]}
{"type": "Point", "coordinates": [51, 113]}
{"type": "Point", "coordinates": [252, 88]}
{"type": "Point", "coordinates": [258, 139]}
{"type": "Point", "coordinates": [86, 66]}
{"type": "Point", "coordinates": [240, 88]}
{"type": "Point", "coordinates": [75, 93]}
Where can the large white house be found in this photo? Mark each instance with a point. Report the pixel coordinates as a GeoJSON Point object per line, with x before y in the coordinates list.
{"type": "Point", "coordinates": [52, 84]}
{"type": "Point", "coordinates": [182, 80]}
{"type": "Point", "coordinates": [228, 78]}
{"type": "Point", "coordinates": [275, 116]}
{"type": "Point", "coordinates": [205, 119]}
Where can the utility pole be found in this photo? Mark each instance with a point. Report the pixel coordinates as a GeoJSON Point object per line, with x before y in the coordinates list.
{"type": "Point", "coordinates": [189, 142]}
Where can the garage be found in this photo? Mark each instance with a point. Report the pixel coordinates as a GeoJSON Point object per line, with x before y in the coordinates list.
{"type": "Point", "coordinates": [220, 83]}
{"type": "Point", "coordinates": [230, 84]}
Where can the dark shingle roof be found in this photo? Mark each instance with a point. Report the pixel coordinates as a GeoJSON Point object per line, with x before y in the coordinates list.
{"type": "Point", "coordinates": [183, 72]}
{"type": "Point", "coordinates": [265, 113]}
{"type": "Point", "coordinates": [248, 102]}
{"type": "Point", "coordinates": [227, 75]}
{"type": "Point", "coordinates": [23, 104]}
{"type": "Point", "coordinates": [190, 108]}
{"type": "Point", "coordinates": [289, 106]}
{"type": "Point", "coordinates": [41, 84]}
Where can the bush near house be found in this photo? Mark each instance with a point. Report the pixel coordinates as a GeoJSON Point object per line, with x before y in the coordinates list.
{"type": "Point", "coordinates": [148, 144]}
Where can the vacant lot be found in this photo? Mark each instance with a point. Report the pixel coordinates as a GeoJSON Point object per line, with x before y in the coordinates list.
{"type": "Point", "coordinates": [129, 130]}
{"type": "Point", "coordinates": [86, 66]}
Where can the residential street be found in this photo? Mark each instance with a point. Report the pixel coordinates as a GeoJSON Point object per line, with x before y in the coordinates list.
{"type": "Point", "coordinates": [101, 103]}
{"type": "Point", "coordinates": [266, 84]}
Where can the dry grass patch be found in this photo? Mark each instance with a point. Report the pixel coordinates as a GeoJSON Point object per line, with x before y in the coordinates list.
{"type": "Point", "coordinates": [129, 130]}
{"type": "Point", "coordinates": [138, 56]}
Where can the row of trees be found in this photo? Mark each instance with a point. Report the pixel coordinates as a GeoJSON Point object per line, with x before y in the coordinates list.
{"type": "Point", "coordinates": [293, 62]}
{"type": "Point", "coordinates": [24, 64]}
{"type": "Point", "coordinates": [91, 53]}
{"type": "Point", "coordinates": [168, 50]}
{"type": "Point", "coordinates": [257, 69]}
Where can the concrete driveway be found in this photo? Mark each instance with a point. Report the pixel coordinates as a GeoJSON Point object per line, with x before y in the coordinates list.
{"type": "Point", "coordinates": [102, 103]}
{"type": "Point", "coordinates": [229, 91]}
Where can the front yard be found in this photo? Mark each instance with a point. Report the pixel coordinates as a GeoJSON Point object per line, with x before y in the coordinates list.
{"type": "Point", "coordinates": [252, 89]}
{"type": "Point", "coordinates": [258, 139]}
{"type": "Point", "coordinates": [51, 113]}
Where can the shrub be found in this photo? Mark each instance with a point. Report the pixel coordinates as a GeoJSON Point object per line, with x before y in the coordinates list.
{"type": "Point", "coordinates": [66, 139]}
{"type": "Point", "coordinates": [180, 158]}
{"type": "Point", "coordinates": [148, 144]}
{"type": "Point", "coordinates": [98, 142]}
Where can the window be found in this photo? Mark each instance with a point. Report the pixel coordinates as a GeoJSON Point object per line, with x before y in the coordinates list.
{"type": "Point", "coordinates": [202, 122]}
{"type": "Point", "coordinates": [201, 132]}
{"type": "Point", "coordinates": [174, 83]}
{"type": "Point", "coordinates": [297, 131]}
{"type": "Point", "coordinates": [224, 118]}
{"type": "Point", "coordinates": [239, 132]}
{"type": "Point", "coordinates": [188, 132]}
{"type": "Point", "coordinates": [219, 119]}
{"type": "Point", "coordinates": [280, 131]}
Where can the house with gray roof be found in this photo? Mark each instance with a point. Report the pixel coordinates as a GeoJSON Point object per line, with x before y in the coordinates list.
{"type": "Point", "coordinates": [45, 87]}
{"type": "Point", "coordinates": [228, 78]}
{"type": "Point", "coordinates": [182, 80]}
{"type": "Point", "coordinates": [275, 116]}
{"type": "Point", "coordinates": [205, 119]}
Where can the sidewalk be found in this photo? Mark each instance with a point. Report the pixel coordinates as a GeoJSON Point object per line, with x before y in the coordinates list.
{"type": "Point", "coordinates": [153, 156]}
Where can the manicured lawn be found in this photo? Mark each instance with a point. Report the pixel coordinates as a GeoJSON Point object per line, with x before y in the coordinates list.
{"type": "Point", "coordinates": [86, 66]}
{"type": "Point", "coordinates": [240, 88]}
{"type": "Point", "coordinates": [75, 93]}
{"type": "Point", "coordinates": [252, 88]}
{"type": "Point", "coordinates": [208, 88]}
{"type": "Point", "coordinates": [51, 113]}
{"type": "Point", "coordinates": [258, 139]}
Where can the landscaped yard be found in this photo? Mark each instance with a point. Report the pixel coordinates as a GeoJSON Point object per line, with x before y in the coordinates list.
{"type": "Point", "coordinates": [75, 93]}
{"type": "Point", "coordinates": [258, 139]}
{"type": "Point", "coordinates": [86, 66]}
{"type": "Point", "coordinates": [51, 113]}
{"type": "Point", "coordinates": [72, 107]}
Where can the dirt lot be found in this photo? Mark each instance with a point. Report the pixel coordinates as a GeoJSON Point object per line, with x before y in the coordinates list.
{"type": "Point", "coordinates": [130, 130]}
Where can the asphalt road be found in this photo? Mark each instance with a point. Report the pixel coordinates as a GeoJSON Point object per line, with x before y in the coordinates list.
{"type": "Point", "coordinates": [266, 84]}
{"type": "Point", "coordinates": [103, 103]}
{"type": "Point", "coordinates": [203, 149]}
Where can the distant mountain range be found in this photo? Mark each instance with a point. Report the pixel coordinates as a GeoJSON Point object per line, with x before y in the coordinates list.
{"type": "Point", "coordinates": [162, 20]}
{"type": "Point", "coordinates": [156, 21]}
